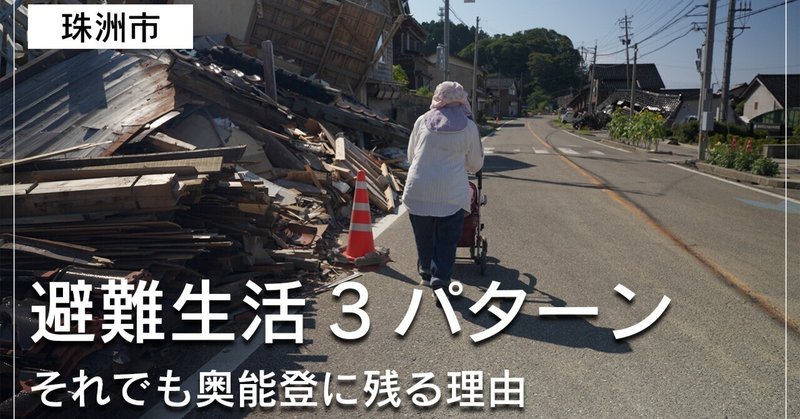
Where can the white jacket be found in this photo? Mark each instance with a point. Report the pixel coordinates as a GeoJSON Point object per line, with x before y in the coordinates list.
{"type": "Point", "coordinates": [437, 183]}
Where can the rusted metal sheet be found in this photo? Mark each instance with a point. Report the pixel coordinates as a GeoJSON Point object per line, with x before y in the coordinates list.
{"type": "Point", "coordinates": [93, 97]}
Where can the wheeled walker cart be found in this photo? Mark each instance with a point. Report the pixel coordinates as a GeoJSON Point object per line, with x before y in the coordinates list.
{"type": "Point", "coordinates": [471, 236]}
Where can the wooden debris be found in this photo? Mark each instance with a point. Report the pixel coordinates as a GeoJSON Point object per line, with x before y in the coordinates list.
{"type": "Point", "coordinates": [163, 142]}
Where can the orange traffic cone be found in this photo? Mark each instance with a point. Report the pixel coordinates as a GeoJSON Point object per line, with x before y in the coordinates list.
{"type": "Point", "coordinates": [360, 241]}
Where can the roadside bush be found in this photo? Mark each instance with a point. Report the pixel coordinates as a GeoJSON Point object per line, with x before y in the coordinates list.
{"type": "Point", "coordinates": [764, 166]}
{"type": "Point", "coordinates": [744, 160]}
{"type": "Point", "coordinates": [740, 154]}
{"type": "Point", "coordinates": [730, 129]}
{"type": "Point", "coordinates": [689, 131]}
{"type": "Point", "coordinates": [618, 126]}
{"type": "Point", "coordinates": [722, 155]}
{"type": "Point", "coordinates": [686, 132]}
{"type": "Point", "coordinates": [644, 129]}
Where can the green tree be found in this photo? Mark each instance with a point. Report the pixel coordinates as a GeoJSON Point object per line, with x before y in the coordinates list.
{"type": "Point", "coordinates": [461, 36]}
{"type": "Point", "coordinates": [544, 60]}
{"type": "Point", "coordinates": [399, 75]}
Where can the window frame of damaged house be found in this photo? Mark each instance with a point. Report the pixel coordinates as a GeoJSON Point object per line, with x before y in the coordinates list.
{"type": "Point", "coordinates": [177, 166]}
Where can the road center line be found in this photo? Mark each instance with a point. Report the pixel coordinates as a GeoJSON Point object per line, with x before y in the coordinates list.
{"type": "Point", "coordinates": [720, 272]}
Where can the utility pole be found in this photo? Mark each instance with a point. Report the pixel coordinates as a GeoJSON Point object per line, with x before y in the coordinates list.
{"type": "Point", "coordinates": [726, 76]}
{"type": "Point", "coordinates": [591, 78]}
{"type": "Point", "coordinates": [475, 69]}
{"type": "Point", "coordinates": [446, 40]}
{"type": "Point", "coordinates": [626, 40]}
{"type": "Point", "coordinates": [633, 78]}
{"type": "Point", "coordinates": [706, 96]}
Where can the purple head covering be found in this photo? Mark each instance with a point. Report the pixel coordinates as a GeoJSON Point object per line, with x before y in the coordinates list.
{"type": "Point", "coordinates": [450, 109]}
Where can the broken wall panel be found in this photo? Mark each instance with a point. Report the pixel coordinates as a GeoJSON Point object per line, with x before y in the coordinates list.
{"type": "Point", "coordinates": [334, 41]}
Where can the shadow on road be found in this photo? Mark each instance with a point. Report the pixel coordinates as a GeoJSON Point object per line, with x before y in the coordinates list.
{"type": "Point", "coordinates": [390, 272]}
{"type": "Point", "coordinates": [512, 124]}
{"type": "Point", "coordinates": [493, 163]}
{"type": "Point", "coordinates": [574, 332]}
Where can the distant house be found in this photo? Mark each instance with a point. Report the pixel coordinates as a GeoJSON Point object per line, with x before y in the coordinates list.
{"type": "Point", "coordinates": [504, 93]}
{"type": "Point", "coordinates": [460, 71]}
{"type": "Point", "coordinates": [767, 94]}
{"type": "Point", "coordinates": [736, 93]}
{"type": "Point", "coordinates": [563, 101]}
{"type": "Point", "coordinates": [690, 105]}
{"type": "Point", "coordinates": [406, 44]}
{"type": "Point", "coordinates": [605, 79]}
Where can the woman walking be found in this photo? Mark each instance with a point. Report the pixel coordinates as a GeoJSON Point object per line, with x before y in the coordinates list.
{"type": "Point", "coordinates": [444, 145]}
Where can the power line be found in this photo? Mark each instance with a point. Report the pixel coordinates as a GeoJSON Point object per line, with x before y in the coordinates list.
{"type": "Point", "coordinates": [680, 15]}
{"type": "Point", "coordinates": [664, 14]}
{"type": "Point", "coordinates": [755, 12]}
{"type": "Point", "coordinates": [672, 21]}
{"type": "Point", "coordinates": [453, 12]}
{"type": "Point", "coordinates": [647, 7]}
{"type": "Point", "coordinates": [668, 43]}
{"type": "Point", "coordinates": [744, 16]}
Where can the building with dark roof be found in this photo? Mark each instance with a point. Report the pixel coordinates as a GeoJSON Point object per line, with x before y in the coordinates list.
{"type": "Point", "coordinates": [614, 76]}
{"type": "Point", "coordinates": [505, 96]}
{"type": "Point", "coordinates": [771, 92]}
{"type": "Point", "coordinates": [407, 43]}
{"type": "Point", "coordinates": [605, 79]}
{"type": "Point", "coordinates": [690, 105]}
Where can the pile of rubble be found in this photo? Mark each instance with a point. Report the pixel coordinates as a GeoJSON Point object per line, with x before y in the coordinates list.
{"type": "Point", "coordinates": [174, 167]}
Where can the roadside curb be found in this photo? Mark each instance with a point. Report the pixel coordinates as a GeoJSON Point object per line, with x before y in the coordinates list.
{"type": "Point", "coordinates": [735, 175]}
{"type": "Point", "coordinates": [622, 146]}
{"type": "Point", "coordinates": [630, 147]}
{"type": "Point", "coordinates": [612, 143]}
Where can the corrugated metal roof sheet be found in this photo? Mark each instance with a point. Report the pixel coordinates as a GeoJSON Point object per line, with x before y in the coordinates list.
{"type": "Point", "coordinates": [91, 98]}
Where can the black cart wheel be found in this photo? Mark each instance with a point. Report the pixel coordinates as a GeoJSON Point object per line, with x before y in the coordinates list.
{"type": "Point", "coordinates": [483, 257]}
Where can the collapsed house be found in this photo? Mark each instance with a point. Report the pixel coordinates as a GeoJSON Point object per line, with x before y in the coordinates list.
{"type": "Point", "coordinates": [174, 167]}
{"type": "Point", "coordinates": [667, 105]}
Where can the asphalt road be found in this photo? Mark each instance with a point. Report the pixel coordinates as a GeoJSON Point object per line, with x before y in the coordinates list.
{"type": "Point", "coordinates": [568, 220]}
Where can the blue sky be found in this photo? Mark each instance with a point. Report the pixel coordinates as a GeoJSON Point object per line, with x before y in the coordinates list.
{"type": "Point", "coordinates": [759, 49]}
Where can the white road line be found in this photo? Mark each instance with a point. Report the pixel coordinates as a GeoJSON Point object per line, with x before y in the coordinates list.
{"type": "Point", "coordinates": [569, 151]}
{"type": "Point", "coordinates": [540, 151]}
{"type": "Point", "coordinates": [774, 195]}
{"type": "Point", "coordinates": [387, 221]}
{"type": "Point", "coordinates": [488, 150]}
{"type": "Point", "coordinates": [238, 351]}
{"type": "Point", "coordinates": [516, 150]}
{"type": "Point", "coordinates": [596, 142]}
{"type": "Point", "coordinates": [597, 152]}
